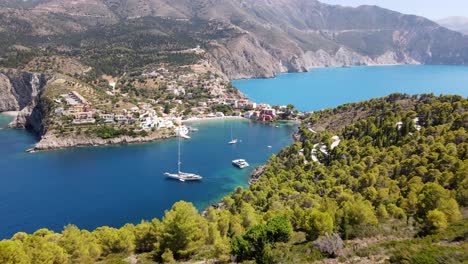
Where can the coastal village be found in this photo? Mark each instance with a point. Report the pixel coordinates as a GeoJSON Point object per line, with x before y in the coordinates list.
{"type": "Point", "coordinates": [146, 116]}
{"type": "Point", "coordinates": [155, 99]}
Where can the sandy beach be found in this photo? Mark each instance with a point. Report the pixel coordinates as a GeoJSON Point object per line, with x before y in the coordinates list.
{"type": "Point", "coordinates": [10, 113]}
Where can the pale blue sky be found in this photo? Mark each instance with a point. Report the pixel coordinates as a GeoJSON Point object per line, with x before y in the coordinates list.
{"type": "Point", "coordinates": [434, 9]}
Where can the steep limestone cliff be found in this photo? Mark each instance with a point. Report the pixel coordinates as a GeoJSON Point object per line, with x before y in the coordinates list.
{"type": "Point", "coordinates": [246, 57]}
{"type": "Point", "coordinates": [19, 91]}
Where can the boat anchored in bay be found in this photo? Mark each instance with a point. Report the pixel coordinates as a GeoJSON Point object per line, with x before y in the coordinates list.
{"type": "Point", "coordinates": [182, 176]}
{"type": "Point", "coordinates": [183, 131]}
{"type": "Point", "coordinates": [240, 163]}
{"type": "Point", "coordinates": [233, 140]}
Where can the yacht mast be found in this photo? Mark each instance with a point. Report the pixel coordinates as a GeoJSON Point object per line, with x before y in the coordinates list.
{"type": "Point", "coordinates": [178, 157]}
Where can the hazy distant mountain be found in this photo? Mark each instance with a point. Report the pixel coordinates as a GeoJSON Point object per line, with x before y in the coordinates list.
{"type": "Point", "coordinates": [456, 23]}
{"type": "Point", "coordinates": [244, 38]}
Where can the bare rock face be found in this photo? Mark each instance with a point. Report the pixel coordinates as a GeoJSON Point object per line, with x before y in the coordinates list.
{"type": "Point", "coordinates": [19, 91]}
{"type": "Point", "coordinates": [331, 245]}
{"type": "Point", "coordinates": [8, 101]}
{"type": "Point", "coordinates": [247, 58]}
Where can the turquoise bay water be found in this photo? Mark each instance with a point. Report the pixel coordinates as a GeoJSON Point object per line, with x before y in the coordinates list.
{"type": "Point", "coordinates": [330, 87]}
{"type": "Point", "coordinates": [4, 120]}
{"type": "Point", "coordinates": [92, 187]}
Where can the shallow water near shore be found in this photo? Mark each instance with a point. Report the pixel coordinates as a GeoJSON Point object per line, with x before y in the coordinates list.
{"type": "Point", "coordinates": [5, 120]}
{"type": "Point", "coordinates": [331, 87]}
{"type": "Point", "coordinates": [114, 185]}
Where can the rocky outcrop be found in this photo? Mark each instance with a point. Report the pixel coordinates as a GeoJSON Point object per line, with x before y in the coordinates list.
{"type": "Point", "coordinates": [256, 174]}
{"type": "Point", "coordinates": [8, 101]}
{"type": "Point", "coordinates": [32, 117]}
{"type": "Point", "coordinates": [19, 91]}
{"type": "Point", "coordinates": [52, 141]}
{"type": "Point", "coordinates": [244, 58]}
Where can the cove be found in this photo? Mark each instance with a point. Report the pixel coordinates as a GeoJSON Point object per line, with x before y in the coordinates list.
{"type": "Point", "coordinates": [92, 187]}
{"type": "Point", "coordinates": [330, 87]}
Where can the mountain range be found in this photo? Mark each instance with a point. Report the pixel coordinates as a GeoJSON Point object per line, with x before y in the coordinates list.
{"type": "Point", "coordinates": [243, 38]}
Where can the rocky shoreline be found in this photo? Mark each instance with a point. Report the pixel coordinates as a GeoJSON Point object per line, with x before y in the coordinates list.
{"type": "Point", "coordinates": [256, 174]}
{"type": "Point", "coordinates": [54, 142]}
{"type": "Point", "coordinates": [254, 178]}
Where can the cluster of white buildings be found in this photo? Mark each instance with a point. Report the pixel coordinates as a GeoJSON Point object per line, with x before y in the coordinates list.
{"type": "Point", "coordinates": [175, 89]}
{"type": "Point", "coordinates": [243, 104]}
{"type": "Point", "coordinates": [145, 116]}
{"type": "Point", "coordinates": [215, 86]}
{"type": "Point", "coordinates": [78, 107]}
{"type": "Point", "coordinates": [262, 112]}
{"type": "Point", "coordinates": [180, 85]}
{"type": "Point", "coordinates": [150, 120]}
{"type": "Point", "coordinates": [160, 73]}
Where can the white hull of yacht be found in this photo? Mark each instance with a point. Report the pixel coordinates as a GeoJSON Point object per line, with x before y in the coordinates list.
{"type": "Point", "coordinates": [182, 176]}
{"type": "Point", "coordinates": [240, 163]}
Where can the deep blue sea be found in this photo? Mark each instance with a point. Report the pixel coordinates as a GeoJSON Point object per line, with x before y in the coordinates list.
{"type": "Point", "coordinates": [330, 87]}
{"type": "Point", "coordinates": [92, 187]}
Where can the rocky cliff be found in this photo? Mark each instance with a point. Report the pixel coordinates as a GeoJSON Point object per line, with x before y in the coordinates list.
{"type": "Point", "coordinates": [296, 35]}
{"type": "Point", "coordinates": [20, 91]}
{"type": "Point", "coordinates": [247, 58]}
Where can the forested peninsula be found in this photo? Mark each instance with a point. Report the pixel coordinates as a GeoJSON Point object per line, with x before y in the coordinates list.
{"type": "Point", "coordinates": [384, 180]}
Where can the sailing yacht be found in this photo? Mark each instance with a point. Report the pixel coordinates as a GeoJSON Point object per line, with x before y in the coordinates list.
{"type": "Point", "coordinates": [233, 140]}
{"type": "Point", "coordinates": [182, 176]}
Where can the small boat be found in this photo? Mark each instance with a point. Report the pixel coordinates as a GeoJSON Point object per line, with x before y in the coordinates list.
{"type": "Point", "coordinates": [233, 140]}
{"type": "Point", "coordinates": [269, 146]}
{"type": "Point", "coordinates": [182, 176]}
{"type": "Point", "coordinates": [31, 150]}
{"type": "Point", "coordinates": [184, 136]}
{"type": "Point", "coordinates": [193, 129]}
{"type": "Point", "coordinates": [182, 131]}
{"type": "Point", "coordinates": [240, 163]}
